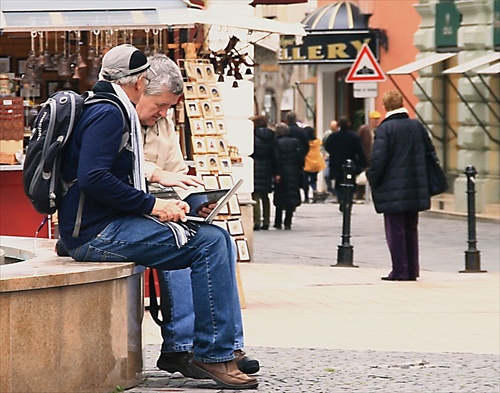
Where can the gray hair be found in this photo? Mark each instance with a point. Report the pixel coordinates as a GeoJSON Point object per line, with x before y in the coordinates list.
{"type": "Point", "coordinates": [163, 75]}
{"type": "Point", "coordinates": [281, 129]}
{"type": "Point", "coordinates": [126, 80]}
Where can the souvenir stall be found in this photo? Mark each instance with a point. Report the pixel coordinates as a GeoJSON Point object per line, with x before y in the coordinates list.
{"type": "Point", "coordinates": [58, 46]}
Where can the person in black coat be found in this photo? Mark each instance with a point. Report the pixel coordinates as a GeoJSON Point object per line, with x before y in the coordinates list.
{"type": "Point", "coordinates": [300, 134]}
{"type": "Point", "coordinates": [398, 180]}
{"type": "Point", "coordinates": [290, 164]}
{"type": "Point", "coordinates": [341, 146]}
{"type": "Point", "coordinates": [264, 164]}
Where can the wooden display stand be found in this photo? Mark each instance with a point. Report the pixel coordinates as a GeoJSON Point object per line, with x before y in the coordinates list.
{"type": "Point", "coordinates": [204, 121]}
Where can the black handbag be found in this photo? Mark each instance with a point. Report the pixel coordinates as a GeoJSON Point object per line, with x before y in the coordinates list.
{"type": "Point", "coordinates": [435, 174]}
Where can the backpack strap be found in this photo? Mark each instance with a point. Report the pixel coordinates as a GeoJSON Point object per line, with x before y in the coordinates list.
{"type": "Point", "coordinates": [165, 302]}
{"type": "Point", "coordinates": [92, 98]}
{"type": "Point", "coordinates": [79, 213]}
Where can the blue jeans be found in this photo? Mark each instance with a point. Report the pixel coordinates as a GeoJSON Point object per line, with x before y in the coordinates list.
{"type": "Point", "coordinates": [178, 332]}
{"type": "Point", "coordinates": [148, 243]}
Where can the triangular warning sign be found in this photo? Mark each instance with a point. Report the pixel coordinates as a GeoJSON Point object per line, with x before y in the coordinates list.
{"type": "Point", "coordinates": [365, 68]}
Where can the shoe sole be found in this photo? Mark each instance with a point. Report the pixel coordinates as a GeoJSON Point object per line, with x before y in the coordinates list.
{"type": "Point", "coordinates": [171, 368]}
{"type": "Point", "coordinates": [201, 372]}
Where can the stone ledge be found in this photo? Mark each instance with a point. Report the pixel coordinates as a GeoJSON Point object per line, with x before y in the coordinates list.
{"type": "Point", "coordinates": [47, 270]}
{"type": "Point", "coordinates": [68, 326]}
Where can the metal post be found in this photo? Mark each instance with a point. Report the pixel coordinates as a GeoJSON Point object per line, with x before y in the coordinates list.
{"type": "Point", "coordinates": [472, 257]}
{"type": "Point", "coordinates": [345, 250]}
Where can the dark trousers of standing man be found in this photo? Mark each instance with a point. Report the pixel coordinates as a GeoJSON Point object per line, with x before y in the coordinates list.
{"type": "Point", "coordinates": [401, 232]}
{"type": "Point", "coordinates": [279, 217]}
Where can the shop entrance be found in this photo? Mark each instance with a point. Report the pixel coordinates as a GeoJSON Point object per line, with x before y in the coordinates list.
{"type": "Point", "coordinates": [346, 104]}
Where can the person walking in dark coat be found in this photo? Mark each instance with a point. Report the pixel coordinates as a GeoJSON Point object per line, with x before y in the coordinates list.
{"type": "Point", "coordinates": [398, 179]}
{"type": "Point", "coordinates": [264, 165]}
{"type": "Point", "coordinates": [300, 134]}
{"type": "Point", "coordinates": [341, 146]}
{"type": "Point", "coordinates": [290, 164]}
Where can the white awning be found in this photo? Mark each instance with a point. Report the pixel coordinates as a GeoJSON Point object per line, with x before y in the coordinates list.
{"type": "Point", "coordinates": [62, 15]}
{"type": "Point", "coordinates": [421, 63]}
{"type": "Point", "coordinates": [475, 63]}
{"type": "Point", "coordinates": [491, 70]}
{"type": "Point", "coordinates": [232, 20]}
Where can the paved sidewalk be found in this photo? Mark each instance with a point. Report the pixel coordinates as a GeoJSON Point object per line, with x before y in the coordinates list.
{"type": "Point", "coordinates": [318, 328]}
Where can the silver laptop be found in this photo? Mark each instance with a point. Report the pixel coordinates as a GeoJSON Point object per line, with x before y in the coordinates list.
{"type": "Point", "coordinates": [199, 199]}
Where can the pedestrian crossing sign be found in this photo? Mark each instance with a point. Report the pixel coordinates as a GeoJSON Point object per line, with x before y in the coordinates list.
{"type": "Point", "coordinates": [365, 68]}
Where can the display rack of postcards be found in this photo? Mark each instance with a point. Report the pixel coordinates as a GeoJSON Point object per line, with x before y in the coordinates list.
{"type": "Point", "coordinates": [204, 121]}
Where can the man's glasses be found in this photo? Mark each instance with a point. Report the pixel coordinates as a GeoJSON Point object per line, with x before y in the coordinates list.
{"type": "Point", "coordinates": [147, 79]}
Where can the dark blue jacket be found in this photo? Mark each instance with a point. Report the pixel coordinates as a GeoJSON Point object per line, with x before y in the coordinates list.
{"type": "Point", "coordinates": [342, 145]}
{"type": "Point", "coordinates": [264, 162]}
{"type": "Point", "coordinates": [397, 173]}
{"type": "Point", "coordinates": [289, 167]}
{"type": "Point", "coordinates": [103, 173]}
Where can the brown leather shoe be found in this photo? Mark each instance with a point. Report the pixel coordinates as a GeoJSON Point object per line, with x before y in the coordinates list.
{"type": "Point", "coordinates": [225, 374]}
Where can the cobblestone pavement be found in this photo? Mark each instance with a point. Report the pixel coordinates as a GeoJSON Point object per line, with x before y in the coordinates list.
{"type": "Point", "coordinates": [294, 370]}
{"type": "Point", "coordinates": [313, 242]}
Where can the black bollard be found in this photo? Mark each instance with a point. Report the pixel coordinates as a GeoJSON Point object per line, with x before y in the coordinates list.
{"type": "Point", "coordinates": [472, 257]}
{"type": "Point", "coordinates": [345, 250]}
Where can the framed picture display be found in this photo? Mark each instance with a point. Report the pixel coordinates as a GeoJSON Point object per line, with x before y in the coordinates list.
{"type": "Point", "coordinates": [210, 127]}
{"type": "Point", "coordinates": [222, 146]}
{"type": "Point", "coordinates": [202, 90]}
{"type": "Point", "coordinates": [235, 227]}
{"type": "Point", "coordinates": [190, 71]}
{"type": "Point", "coordinates": [225, 165]}
{"type": "Point", "coordinates": [217, 109]}
{"type": "Point", "coordinates": [197, 126]}
{"type": "Point", "coordinates": [212, 144]}
{"type": "Point", "coordinates": [190, 90]}
{"type": "Point", "coordinates": [198, 70]}
{"type": "Point", "coordinates": [214, 92]}
{"type": "Point", "coordinates": [206, 108]}
{"type": "Point", "coordinates": [220, 125]}
{"type": "Point", "coordinates": [4, 64]}
{"type": "Point", "coordinates": [213, 162]}
{"type": "Point", "coordinates": [211, 182]}
{"type": "Point", "coordinates": [234, 206]}
{"type": "Point", "coordinates": [243, 253]}
{"type": "Point", "coordinates": [193, 108]}
{"type": "Point", "coordinates": [209, 73]}
{"type": "Point", "coordinates": [222, 224]}
{"type": "Point", "coordinates": [201, 164]}
{"type": "Point", "coordinates": [225, 181]}
{"type": "Point", "coordinates": [199, 145]}
{"type": "Point", "coordinates": [224, 211]}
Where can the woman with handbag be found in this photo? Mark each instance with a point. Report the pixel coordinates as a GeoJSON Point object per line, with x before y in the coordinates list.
{"type": "Point", "coordinates": [400, 185]}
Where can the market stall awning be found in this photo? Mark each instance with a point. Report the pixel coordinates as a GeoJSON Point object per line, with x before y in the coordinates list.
{"type": "Point", "coordinates": [229, 19]}
{"type": "Point", "coordinates": [491, 70]}
{"type": "Point", "coordinates": [62, 15]}
{"type": "Point", "coordinates": [421, 63]}
{"type": "Point", "coordinates": [475, 63]}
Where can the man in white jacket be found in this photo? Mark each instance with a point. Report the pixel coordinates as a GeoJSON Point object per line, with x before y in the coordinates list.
{"type": "Point", "coordinates": [164, 164]}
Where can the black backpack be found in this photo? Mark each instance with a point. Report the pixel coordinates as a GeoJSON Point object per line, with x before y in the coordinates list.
{"type": "Point", "coordinates": [51, 130]}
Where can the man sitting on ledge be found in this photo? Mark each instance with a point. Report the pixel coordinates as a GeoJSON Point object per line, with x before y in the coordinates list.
{"type": "Point", "coordinates": [165, 165]}
{"type": "Point", "coordinates": [121, 222]}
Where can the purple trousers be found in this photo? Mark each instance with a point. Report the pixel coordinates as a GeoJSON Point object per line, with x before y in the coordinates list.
{"type": "Point", "coordinates": [401, 232]}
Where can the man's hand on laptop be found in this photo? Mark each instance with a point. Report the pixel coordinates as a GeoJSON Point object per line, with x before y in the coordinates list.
{"type": "Point", "coordinates": [170, 210]}
{"type": "Point", "coordinates": [172, 179]}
